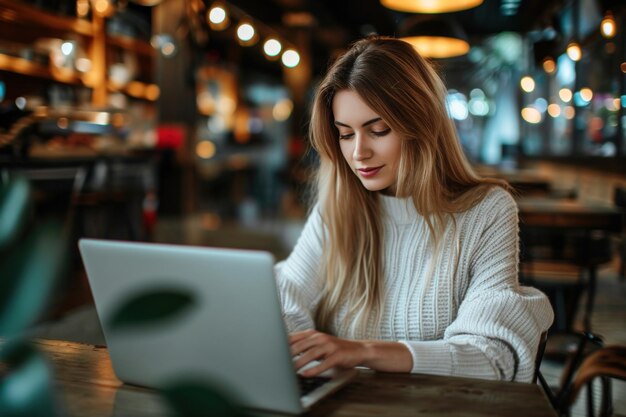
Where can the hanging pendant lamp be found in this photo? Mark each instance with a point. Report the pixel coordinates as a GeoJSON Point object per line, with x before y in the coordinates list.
{"type": "Point", "coordinates": [430, 6]}
{"type": "Point", "coordinates": [435, 37]}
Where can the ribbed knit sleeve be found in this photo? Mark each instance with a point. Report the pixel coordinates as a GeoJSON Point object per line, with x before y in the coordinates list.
{"type": "Point", "coordinates": [496, 331]}
{"type": "Point", "coordinates": [299, 277]}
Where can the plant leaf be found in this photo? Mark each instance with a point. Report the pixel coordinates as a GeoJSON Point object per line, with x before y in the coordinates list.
{"type": "Point", "coordinates": [28, 274]}
{"type": "Point", "coordinates": [26, 389]}
{"type": "Point", "coordinates": [152, 308]}
{"type": "Point", "coordinates": [200, 399]}
{"type": "Point", "coordinates": [14, 205]}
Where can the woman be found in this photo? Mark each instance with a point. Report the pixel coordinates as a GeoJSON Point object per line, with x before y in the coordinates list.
{"type": "Point", "coordinates": [408, 262]}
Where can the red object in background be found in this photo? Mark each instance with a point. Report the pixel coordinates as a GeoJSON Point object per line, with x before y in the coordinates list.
{"type": "Point", "coordinates": [296, 146]}
{"type": "Point", "coordinates": [150, 206]}
{"type": "Point", "coordinates": [170, 136]}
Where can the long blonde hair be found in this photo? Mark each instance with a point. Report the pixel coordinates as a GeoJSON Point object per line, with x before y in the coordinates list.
{"type": "Point", "coordinates": [403, 89]}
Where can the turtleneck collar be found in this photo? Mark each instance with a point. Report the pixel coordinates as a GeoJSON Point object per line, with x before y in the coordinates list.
{"type": "Point", "coordinates": [398, 210]}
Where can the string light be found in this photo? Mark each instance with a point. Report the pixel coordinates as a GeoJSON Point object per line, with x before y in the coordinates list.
{"type": "Point", "coordinates": [574, 52]}
{"type": "Point", "coordinates": [248, 32]}
{"type": "Point", "coordinates": [549, 66]}
{"type": "Point", "coordinates": [217, 17]}
{"type": "Point", "coordinates": [272, 47]}
{"type": "Point", "coordinates": [290, 58]}
{"type": "Point", "coordinates": [245, 33]}
{"type": "Point", "coordinates": [554, 110]}
{"type": "Point", "coordinates": [82, 8]}
{"type": "Point", "coordinates": [565, 94]}
{"type": "Point", "coordinates": [607, 27]}
{"type": "Point", "coordinates": [528, 84]}
{"type": "Point", "coordinates": [531, 115]}
{"type": "Point", "coordinates": [586, 94]}
{"type": "Point", "coordinates": [104, 8]}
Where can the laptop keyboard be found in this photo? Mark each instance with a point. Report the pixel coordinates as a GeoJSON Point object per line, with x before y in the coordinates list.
{"type": "Point", "coordinates": [309, 384]}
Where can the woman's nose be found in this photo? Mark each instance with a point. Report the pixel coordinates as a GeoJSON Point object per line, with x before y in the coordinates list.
{"type": "Point", "coordinates": [361, 149]}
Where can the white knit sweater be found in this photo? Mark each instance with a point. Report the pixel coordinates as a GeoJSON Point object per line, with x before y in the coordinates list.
{"type": "Point", "coordinates": [478, 323]}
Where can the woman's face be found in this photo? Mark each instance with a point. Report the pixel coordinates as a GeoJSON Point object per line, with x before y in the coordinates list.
{"type": "Point", "coordinates": [367, 143]}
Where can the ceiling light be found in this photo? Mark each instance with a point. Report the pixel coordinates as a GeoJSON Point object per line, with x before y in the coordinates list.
{"type": "Point", "coordinates": [430, 6]}
{"type": "Point", "coordinates": [148, 3]}
{"type": "Point", "coordinates": [435, 37]}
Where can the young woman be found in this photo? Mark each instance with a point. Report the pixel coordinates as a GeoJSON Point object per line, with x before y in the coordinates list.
{"type": "Point", "coordinates": [408, 261]}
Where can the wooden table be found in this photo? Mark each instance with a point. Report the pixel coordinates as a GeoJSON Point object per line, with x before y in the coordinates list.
{"type": "Point", "coordinates": [569, 214]}
{"type": "Point", "coordinates": [524, 181]}
{"type": "Point", "coordinates": [89, 387]}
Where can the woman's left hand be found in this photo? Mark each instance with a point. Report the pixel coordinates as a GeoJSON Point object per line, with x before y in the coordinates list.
{"type": "Point", "coordinates": [329, 350]}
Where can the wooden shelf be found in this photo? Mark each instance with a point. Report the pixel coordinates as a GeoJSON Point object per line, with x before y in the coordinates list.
{"type": "Point", "coordinates": [138, 90]}
{"type": "Point", "coordinates": [26, 67]}
{"type": "Point", "coordinates": [14, 11]}
{"type": "Point", "coordinates": [19, 19]}
{"type": "Point", "coordinates": [134, 45]}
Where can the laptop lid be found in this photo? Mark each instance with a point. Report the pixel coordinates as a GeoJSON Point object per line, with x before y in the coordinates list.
{"type": "Point", "coordinates": [233, 335]}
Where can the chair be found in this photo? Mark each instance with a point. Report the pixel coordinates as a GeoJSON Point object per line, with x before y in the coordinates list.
{"type": "Point", "coordinates": [540, 350]}
{"type": "Point", "coordinates": [619, 199]}
{"type": "Point", "coordinates": [562, 396]}
{"type": "Point", "coordinates": [604, 364]}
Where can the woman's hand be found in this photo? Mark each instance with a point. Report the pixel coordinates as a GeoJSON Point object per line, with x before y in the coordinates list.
{"type": "Point", "coordinates": [329, 350]}
{"type": "Point", "coordinates": [332, 352]}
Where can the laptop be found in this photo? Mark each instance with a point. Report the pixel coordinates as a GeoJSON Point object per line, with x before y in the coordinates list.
{"type": "Point", "coordinates": [233, 334]}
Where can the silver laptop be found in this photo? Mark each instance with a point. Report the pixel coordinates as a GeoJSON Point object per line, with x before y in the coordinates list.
{"type": "Point", "coordinates": [233, 335]}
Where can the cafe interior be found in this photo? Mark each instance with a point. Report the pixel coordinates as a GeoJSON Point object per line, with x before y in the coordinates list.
{"type": "Point", "coordinates": [185, 122]}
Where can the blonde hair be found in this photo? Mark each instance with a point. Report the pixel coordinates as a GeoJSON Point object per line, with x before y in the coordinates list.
{"type": "Point", "coordinates": [403, 89]}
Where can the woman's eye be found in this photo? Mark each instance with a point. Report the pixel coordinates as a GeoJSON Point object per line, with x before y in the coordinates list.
{"type": "Point", "coordinates": [345, 135]}
{"type": "Point", "coordinates": [382, 132]}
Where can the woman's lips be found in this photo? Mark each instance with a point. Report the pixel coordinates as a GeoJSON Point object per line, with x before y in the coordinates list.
{"type": "Point", "coordinates": [369, 172]}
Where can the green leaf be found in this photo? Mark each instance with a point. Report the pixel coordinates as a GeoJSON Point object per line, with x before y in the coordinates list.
{"type": "Point", "coordinates": [14, 207]}
{"type": "Point", "coordinates": [152, 308]}
{"type": "Point", "coordinates": [28, 273]}
{"type": "Point", "coordinates": [26, 389]}
{"type": "Point", "coordinates": [200, 399]}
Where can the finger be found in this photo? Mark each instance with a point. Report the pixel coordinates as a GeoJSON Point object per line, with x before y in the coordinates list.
{"type": "Point", "coordinates": [319, 368]}
{"type": "Point", "coordinates": [317, 353]}
{"type": "Point", "coordinates": [296, 336]}
{"type": "Point", "coordinates": [314, 339]}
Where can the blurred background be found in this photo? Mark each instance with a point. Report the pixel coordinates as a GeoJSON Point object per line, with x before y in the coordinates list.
{"type": "Point", "coordinates": [184, 121]}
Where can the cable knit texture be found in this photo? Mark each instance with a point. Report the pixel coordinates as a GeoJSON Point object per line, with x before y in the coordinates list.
{"type": "Point", "coordinates": [478, 322]}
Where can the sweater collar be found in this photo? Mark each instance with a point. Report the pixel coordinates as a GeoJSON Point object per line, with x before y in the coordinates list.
{"type": "Point", "coordinates": [398, 210]}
